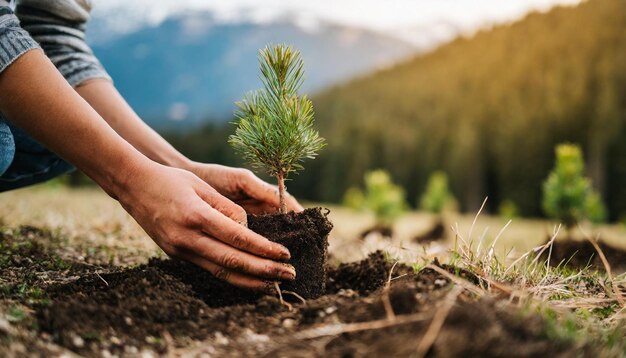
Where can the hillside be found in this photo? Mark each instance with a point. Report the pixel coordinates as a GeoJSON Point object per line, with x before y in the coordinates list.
{"type": "Point", "coordinates": [488, 110]}
{"type": "Point", "coordinates": [191, 67]}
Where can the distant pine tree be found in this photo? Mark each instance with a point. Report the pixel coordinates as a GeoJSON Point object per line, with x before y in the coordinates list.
{"type": "Point", "coordinates": [567, 194]}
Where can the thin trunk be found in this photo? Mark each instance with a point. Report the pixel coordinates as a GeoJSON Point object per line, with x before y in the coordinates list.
{"type": "Point", "coordinates": [281, 193]}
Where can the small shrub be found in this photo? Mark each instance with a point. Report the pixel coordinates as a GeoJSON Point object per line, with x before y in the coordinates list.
{"type": "Point", "coordinates": [567, 193]}
{"type": "Point", "coordinates": [437, 195]}
{"type": "Point", "coordinates": [381, 196]}
{"type": "Point", "coordinates": [508, 209]}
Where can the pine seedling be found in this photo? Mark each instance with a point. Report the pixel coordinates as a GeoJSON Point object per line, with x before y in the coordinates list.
{"type": "Point", "coordinates": [275, 129]}
{"type": "Point", "coordinates": [567, 194]}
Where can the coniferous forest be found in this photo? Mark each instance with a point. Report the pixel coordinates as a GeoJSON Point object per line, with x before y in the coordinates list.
{"type": "Point", "coordinates": [486, 109]}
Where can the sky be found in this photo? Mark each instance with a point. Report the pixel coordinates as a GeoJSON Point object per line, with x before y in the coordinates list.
{"type": "Point", "coordinates": [405, 19]}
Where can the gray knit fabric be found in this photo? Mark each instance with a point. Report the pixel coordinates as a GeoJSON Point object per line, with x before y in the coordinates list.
{"type": "Point", "coordinates": [58, 26]}
{"type": "Point", "coordinates": [14, 41]}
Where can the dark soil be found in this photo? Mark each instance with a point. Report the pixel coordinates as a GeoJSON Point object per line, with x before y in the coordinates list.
{"type": "Point", "coordinates": [167, 304]}
{"type": "Point", "coordinates": [305, 234]}
{"type": "Point", "coordinates": [580, 254]}
{"type": "Point", "coordinates": [384, 231]}
{"type": "Point", "coordinates": [170, 307]}
{"type": "Point", "coordinates": [436, 233]}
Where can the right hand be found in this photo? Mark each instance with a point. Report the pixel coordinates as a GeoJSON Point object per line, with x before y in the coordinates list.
{"type": "Point", "coordinates": [190, 220]}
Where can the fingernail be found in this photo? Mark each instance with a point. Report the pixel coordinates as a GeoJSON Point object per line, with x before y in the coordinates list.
{"type": "Point", "coordinates": [284, 253]}
{"type": "Point", "coordinates": [288, 276]}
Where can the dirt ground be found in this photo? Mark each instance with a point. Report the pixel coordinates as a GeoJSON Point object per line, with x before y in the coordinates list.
{"type": "Point", "coordinates": [166, 307]}
{"type": "Point", "coordinates": [84, 280]}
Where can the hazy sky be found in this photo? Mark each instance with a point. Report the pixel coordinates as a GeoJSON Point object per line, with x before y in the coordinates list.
{"type": "Point", "coordinates": [401, 18]}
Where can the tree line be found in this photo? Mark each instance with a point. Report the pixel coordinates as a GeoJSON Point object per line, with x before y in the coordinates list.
{"type": "Point", "coordinates": [487, 110]}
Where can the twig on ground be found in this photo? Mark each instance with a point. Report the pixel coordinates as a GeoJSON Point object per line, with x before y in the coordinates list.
{"type": "Point", "coordinates": [280, 296]}
{"type": "Point", "coordinates": [340, 328]}
{"type": "Point", "coordinates": [458, 280]}
{"type": "Point", "coordinates": [436, 324]}
{"type": "Point", "coordinates": [385, 297]}
{"type": "Point", "coordinates": [103, 280]}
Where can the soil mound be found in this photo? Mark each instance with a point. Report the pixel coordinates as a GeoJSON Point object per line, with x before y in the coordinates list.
{"type": "Point", "coordinates": [580, 254]}
{"type": "Point", "coordinates": [166, 305]}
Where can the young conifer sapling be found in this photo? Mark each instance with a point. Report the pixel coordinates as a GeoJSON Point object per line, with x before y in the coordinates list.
{"type": "Point", "coordinates": [275, 129]}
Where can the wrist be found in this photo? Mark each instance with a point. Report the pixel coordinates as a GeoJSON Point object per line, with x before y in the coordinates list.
{"type": "Point", "coordinates": [122, 176]}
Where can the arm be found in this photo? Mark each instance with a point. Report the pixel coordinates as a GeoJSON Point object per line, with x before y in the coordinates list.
{"type": "Point", "coordinates": [239, 185]}
{"type": "Point", "coordinates": [185, 216]}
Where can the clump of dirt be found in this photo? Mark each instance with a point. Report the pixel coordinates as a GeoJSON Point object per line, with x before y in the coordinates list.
{"type": "Point", "coordinates": [305, 234]}
{"type": "Point", "coordinates": [436, 233]}
{"type": "Point", "coordinates": [382, 230]}
{"type": "Point", "coordinates": [580, 254]}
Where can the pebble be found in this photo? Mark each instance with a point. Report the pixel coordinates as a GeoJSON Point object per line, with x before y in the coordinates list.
{"type": "Point", "coordinates": [220, 339]}
{"type": "Point", "coordinates": [147, 354]}
{"type": "Point", "coordinates": [78, 342]}
{"type": "Point", "coordinates": [441, 282]}
{"type": "Point", "coordinates": [330, 310]}
{"type": "Point", "coordinates": [289, 323]}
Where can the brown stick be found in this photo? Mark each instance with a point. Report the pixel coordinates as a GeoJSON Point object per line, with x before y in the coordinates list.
{"type": "Point", "coordinates": [385, 297]}
{"type": "Point", "coordinates": [340, 328]}
{"type": "Point", "coordinates": [437, 323]}
{"type": "Point", "coordinates": [281, 193]}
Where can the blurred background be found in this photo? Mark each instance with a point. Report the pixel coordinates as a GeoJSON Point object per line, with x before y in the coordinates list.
{"type": "Point", "coordinates": [480, 92]}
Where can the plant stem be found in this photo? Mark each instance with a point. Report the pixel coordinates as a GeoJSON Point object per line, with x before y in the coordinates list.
{"type": "Point", "coordinates": [281, 193]}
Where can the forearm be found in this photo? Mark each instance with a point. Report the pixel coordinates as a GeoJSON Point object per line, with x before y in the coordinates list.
{"type": "Point", "coordinates": [39, 100]}
{"type": "Point", "coordinates": [107, 101]}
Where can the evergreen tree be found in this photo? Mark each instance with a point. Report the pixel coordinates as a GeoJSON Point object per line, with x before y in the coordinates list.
{"type": "Point", "coordinates": [381, 196]}
{"type": "Point", "coordinates": [275, 129]}
{"type": "Point", "coordinates": [567, 193]}
{"type": "Point", "coordinates": [437, 194]}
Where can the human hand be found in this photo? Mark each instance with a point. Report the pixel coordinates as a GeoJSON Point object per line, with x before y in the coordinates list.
{"type": "Point", "coordinates": [190, 220]}
{"type": "Point", "coordinates": [244, 188]}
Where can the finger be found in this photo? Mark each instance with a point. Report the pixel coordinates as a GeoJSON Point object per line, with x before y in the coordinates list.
{"type": "Point", "coordinates": [292, 203]}
{"type": "Point", "coordinates": [216, 225]}
{"type": "Point", "coordinates": [239, 261]}
{"type": "Point", "coordinates": [234, 278]}
{"type": "Point", "coordinates": [253, 206]}
{"type": "Point", "coordinates": [257, 189]}
{"type": "Point", "coordinates": [223, 205]}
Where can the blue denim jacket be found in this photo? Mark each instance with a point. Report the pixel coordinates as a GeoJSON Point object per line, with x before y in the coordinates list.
{"type": "Point", "coordinates": [57, 27]}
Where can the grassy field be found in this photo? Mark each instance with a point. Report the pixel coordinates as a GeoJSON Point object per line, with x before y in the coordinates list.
{"type": "Point", "coordinates": [90, 216]}
{"type": "Point", "coordinates": [581, 306]}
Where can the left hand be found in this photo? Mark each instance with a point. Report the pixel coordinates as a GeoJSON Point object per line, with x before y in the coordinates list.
{"type": "Point", "coordinates": [244, 188]}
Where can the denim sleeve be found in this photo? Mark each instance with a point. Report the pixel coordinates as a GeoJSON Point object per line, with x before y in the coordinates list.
{"type": "Point", "coordinates": [59, 27]}
{"type": "Point", "coordinates": [14, 41]}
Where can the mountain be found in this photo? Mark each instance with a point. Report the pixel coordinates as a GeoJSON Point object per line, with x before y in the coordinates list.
{"type": "Point", "coordinates": [191, 67]}
{"type": "Point", "coordinates": [488, 110]}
